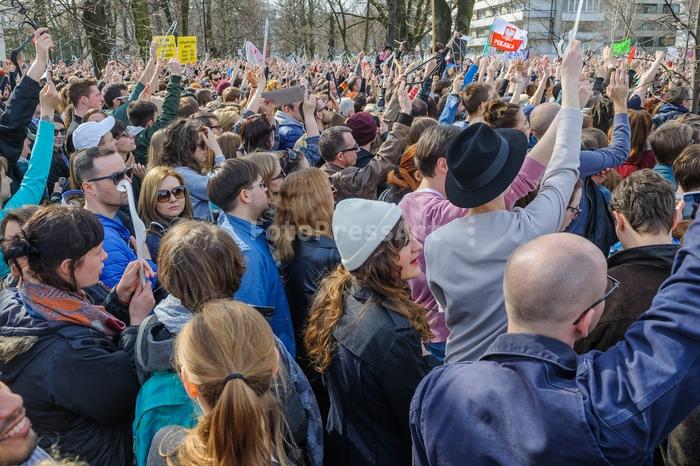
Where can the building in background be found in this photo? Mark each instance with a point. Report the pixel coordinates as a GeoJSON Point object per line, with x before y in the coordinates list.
{"type": "Point", "coordinates": [651, 23]}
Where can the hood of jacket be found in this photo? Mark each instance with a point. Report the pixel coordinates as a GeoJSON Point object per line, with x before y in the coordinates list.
{"type": "Point", "coordinates": [156, 339]}
{"type": "Point", "coordinates": [284, 119]}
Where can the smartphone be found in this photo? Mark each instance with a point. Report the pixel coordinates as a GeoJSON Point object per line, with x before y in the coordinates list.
{"type": "Point", "coordinates": [692, 201]}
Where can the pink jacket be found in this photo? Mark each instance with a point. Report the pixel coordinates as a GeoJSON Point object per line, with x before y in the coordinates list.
{"type": "Point", "coordinates": [427, 210]}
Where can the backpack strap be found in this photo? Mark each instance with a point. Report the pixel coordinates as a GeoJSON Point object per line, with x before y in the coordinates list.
{"type": "Point", "coordinates": [140, 338]}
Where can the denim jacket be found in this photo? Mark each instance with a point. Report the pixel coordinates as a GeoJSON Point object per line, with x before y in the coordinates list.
{"type": "Point", "coordinates": [531, 400]}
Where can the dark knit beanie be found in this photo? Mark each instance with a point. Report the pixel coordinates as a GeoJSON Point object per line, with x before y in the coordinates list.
{"type": "Point", "coordinates": [363, 126]}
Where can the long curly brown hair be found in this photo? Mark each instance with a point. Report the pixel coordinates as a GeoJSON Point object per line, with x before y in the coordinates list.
{"type": "Point", "coordinates": [380, 274]}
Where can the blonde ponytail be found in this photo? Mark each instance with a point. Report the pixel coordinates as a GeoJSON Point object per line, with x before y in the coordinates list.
{"type": "Point", "coordinates": [228, 352]}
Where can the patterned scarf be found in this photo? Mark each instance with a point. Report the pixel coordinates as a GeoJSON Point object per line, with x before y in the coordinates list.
{"type": "Point", "coordinates": [53, 304]}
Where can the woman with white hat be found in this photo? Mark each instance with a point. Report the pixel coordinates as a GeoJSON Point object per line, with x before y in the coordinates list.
{"type": "Point", "coordinates": [364, 335]}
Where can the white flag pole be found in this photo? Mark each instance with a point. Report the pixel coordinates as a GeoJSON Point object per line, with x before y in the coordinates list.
{"type": "Point", "coordinates": [267, 23]}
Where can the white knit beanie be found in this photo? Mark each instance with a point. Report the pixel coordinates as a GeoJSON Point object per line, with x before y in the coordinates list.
{"type": "Point", "coordinates": [359, 227]}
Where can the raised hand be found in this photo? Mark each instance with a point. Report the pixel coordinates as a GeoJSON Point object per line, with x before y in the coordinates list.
{"type": "Point", "coordinates": [618, 90]}
{"type": "Point", "coordinates": [48, 100]}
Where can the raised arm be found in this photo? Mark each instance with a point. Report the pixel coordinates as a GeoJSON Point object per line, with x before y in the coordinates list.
{"type": "Point", "coordinates": [546, 211]}
{"type": "Point", "coordinates": [536, 99]}
{"type": "Point", "coordinates": [649, 382]}
{"type": "Point", "coordinates": [648, 78]}
{"type": "Point", "coordinates": [31, 190]}
{"type": "Point", "coordinates": [616, 153]}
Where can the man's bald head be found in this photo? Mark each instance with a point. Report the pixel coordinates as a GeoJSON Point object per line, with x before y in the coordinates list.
{"type": "Point", "coordinates": [552, 280]}
{"type": "Point", "coordinates": [542, 117]}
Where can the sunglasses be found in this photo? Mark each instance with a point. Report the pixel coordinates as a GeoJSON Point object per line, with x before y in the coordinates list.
{"type": "Point", "coordinates": [164, 195]}
{"type": "Point", "coordinates": [116, 177]}
{"type": "Point", "coordinates": [62, 132]}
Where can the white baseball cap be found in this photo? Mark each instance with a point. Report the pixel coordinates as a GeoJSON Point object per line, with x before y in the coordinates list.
{"type": "Point", "coordinates": [88, 134]}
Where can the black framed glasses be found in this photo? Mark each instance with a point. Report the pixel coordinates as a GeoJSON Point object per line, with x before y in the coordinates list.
{"type": "Point", "coordinates": [613, 284]}
{"type": "Point", "coordinates": [178, 192]}
{"type": "Point", "coordinates": [354, 148]}
{"type": "Point", "coordinates": [576, 211]}
{"type": "Point", "coordinates": [261, 185]}
{"type": "Point", "coordinates": [62, 132]}
{"type": "Point", "coordinates": [281, 176]}
{"type": "Point", "coordinates": [116, 177]}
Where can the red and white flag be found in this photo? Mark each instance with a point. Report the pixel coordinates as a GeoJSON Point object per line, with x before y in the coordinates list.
{"type": "Point", "coordinates": [507, 37]}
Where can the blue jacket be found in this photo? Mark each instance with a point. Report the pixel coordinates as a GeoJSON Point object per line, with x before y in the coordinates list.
{"type": "Point", "coordinates": [531, 400]}
{"type": "Point", "coordinates": [594, 161]}
{"type": "Point", "coordinates": [289, 130]}
{"type": "Point", "coordinates": [668, 112]}
{"type": "Point", "coordinates": [261, 284]}
{"type": "Point", "coordinates": [119, 253]}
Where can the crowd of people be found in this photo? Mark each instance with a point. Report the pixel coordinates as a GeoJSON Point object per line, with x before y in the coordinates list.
{"type": "Point", "coordinates": [376, 263]}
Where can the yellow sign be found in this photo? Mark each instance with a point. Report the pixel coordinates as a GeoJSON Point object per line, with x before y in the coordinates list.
{"type": "Point", "coordinates": [165, 47]}
{"type": "Point", "coordinates": [187, 48]}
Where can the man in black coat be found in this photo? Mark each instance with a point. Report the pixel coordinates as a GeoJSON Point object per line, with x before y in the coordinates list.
{"type": "Point", "coordinates": [21, 106]}
{"type": "Point", "coordinates": [643, 206]}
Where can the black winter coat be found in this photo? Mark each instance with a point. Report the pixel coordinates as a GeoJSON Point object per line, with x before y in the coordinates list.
{"type": "Point", "coordinates": [79, 386]}
{"type": "Point", "coordinates": [314, 257]}
{"type": "Point", "coordinates": [13, 125]}
{"type": "Point", "coordinates": [375, 370]}
{"type": "Point", "coordinates": [641, 271]}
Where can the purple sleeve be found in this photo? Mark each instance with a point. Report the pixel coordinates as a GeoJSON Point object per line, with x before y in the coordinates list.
{"type": "Point", "coordinates": [593, 161]}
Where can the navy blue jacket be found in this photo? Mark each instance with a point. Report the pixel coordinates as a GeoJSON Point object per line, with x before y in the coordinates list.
{"type": "Point", "coordinates": [531, 400]}
{"type": "Point", "coordinates": [79, 386]}
{"type": "Point", "coordinates": [668, 112]}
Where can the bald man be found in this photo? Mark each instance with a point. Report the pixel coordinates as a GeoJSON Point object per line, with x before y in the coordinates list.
{"type": "Point", "coordinates": [542, 117]}
{"type": "Point", "coordinates": [530, 399]}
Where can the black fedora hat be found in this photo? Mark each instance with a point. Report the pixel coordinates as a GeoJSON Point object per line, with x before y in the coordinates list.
{"type": "Point", "coordinates": [482, 163]}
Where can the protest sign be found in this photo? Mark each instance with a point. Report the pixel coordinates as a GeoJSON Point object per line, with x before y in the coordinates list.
{"type": "Point", "coordinates": [165, 49]}
{"type": "Point", "coordinates": [253, 55]}
{"type": "Point", "coordinates": [506, 37]}
{"type": "Point", "coordinates": [187, 49]}
{"type": "Point", "coordinates": [672, 53]}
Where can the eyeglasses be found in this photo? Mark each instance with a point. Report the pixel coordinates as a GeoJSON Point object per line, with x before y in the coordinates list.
{"type": "Point", "coordinates": [213, 127]}
{"type": "Point", "coordinates": [574, 210]}
{"type": "Point", "coordinates": [216, 80]}
{"type": "Point", "coordinates": [164, 195]}
{"type": "Point", "coordinates": [116, 177]}
{"type": "Point", "coordinates": [613, 284]}
{"type": "Point", "coordinates": [62, 132]}
{"type": "Point", "coordinates": [261, 185]}
{"type": "Point", "coordinates": [281, 176]}
{"type": "Point", "coordinates": [354, 148]}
